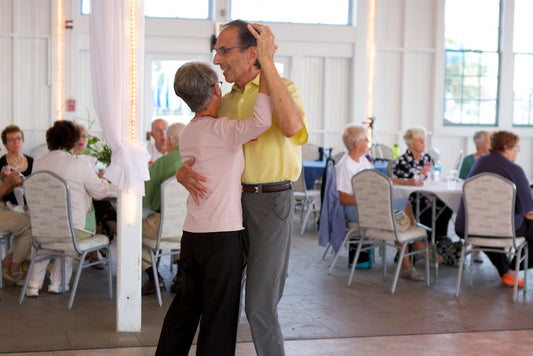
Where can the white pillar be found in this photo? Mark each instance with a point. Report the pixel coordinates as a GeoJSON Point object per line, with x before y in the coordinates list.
{"type": "Point", "coordinates": [129, 299]}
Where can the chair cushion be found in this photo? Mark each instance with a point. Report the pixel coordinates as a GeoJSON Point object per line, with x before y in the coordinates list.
{"type": "Point", "coordinates": [495, 242]}
{"type": "Point", "coordinates": [412, 233]}
{"type": "Point", "coordinates": [166, 244]}
{"type": "Point", "coordinates": [83, 244]}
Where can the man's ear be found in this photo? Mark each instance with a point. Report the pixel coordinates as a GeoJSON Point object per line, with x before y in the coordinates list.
{"type": "Point", "coordinates": [253, 54]}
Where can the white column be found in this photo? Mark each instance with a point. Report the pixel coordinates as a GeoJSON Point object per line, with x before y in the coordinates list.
{"type": "Point", "coordinates": [129, 298]}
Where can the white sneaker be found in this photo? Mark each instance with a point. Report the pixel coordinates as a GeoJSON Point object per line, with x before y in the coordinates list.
{"type": "Point", "coordinates": [32, 292]}
{"type": "Point", "coordinates": [56, 288]}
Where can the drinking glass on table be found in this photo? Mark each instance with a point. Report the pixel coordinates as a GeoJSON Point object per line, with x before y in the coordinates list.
{"type": "Point", "coordinates": [453, 176]}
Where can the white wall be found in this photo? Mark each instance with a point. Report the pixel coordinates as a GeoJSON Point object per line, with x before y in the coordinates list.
{"type": "Point", "coordinates": [327, 62]}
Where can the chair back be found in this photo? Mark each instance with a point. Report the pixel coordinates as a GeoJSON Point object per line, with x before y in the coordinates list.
{"type": "Point", "coordinates": [373, 196]}
{"type": "Point", "coordinates": [173, 209]}
{"type": "Point", "coordinates": [48, 199]}
{"type": "Point", "coordinates": [489, 201]}
{"type": "Point", "coordinates": [390, 169]}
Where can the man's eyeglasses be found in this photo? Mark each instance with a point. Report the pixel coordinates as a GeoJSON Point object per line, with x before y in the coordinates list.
{"type": "Point", "coordinates": [218, 84]}
{"type": "Point", "coordinates": [222, 51]}
{"type": "Point", "coordinates": [13, 139]}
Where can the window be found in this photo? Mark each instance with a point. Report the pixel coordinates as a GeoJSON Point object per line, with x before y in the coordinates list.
{"type": "Point", "coordinates": [331, 12]}
{"type": "Point", "coordinates": [165, 103]}
{"type": "Point", "coordinates": [472, 62]}
{"type": "Point", "coordinates": [197, 9]}
{"type": "Point", "coordinates": [523, 64]}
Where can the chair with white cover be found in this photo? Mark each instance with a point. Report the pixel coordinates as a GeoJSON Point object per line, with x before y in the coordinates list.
{"type": "Point", "coordinates": [377, 224]}
{"type": "Point", "coordinates": [5, 239]}
{"type": "Point", "coordinates": [168, 242]}
{"type": "Point", "coordinates": [49, 204]}
{"type": "Point", "coordinates": [306, 201]}
{"type": "Point", "coordinates": [489, 203]}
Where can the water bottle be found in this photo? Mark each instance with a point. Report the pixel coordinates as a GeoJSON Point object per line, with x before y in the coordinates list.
{"type": "Point", "coordinates": [395, 151]}
{"type": "Point", "coordinates": [437, 171]}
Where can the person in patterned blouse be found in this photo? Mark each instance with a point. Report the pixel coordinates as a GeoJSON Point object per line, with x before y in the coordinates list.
{"type": "Point", "coordinates": [412, 168]}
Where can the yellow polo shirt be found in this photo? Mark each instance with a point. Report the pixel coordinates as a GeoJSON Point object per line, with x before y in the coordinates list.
{"type": "Point", "coordinates": [271, 157]}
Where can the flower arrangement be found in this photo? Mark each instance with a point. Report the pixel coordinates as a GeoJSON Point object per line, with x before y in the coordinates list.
{"type": "Point", "coordinates": [98, 150]}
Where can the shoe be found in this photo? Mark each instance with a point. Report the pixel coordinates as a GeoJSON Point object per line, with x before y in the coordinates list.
{"type": "Point", "coordinates": [508, 280]}
{"type": "Point", "coordinates": [32, 292]}
{"type": "Point", "coordinates": [412, 274]}
{"type": "Point", "coordinates": [56, 288]}
{"type": "Point", "coordinates": [149, 286]}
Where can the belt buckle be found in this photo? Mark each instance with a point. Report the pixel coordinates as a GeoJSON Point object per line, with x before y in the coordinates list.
{"type": "Point", "coordinates": [258, 189]}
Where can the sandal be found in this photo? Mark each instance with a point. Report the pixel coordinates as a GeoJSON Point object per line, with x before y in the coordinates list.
{"type": "Point", "coordinates": [412, 274]}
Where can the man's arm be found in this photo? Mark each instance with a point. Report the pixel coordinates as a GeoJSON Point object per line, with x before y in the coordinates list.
{"type": "Point", "coordinates": [289, 117]}
{"type": "Point", "coordinates": [191, 181]}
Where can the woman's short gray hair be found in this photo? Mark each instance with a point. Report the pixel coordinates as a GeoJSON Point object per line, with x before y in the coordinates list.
{"type": "Point", "coordinates": [193, 83]}
{"type": "Point", "coordinates": [414, 133]}
{"type": "Point", "coordinates": [352, 134]}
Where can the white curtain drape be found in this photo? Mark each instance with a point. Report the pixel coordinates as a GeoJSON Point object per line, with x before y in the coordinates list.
{"type": "Point", "coordinates": [107, 43]}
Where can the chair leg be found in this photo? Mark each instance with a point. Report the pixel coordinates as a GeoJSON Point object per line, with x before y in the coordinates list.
{"type": "Point", "coordinates": [355, 259]}
{"type": "Point", "coordinates": [156, 278]}
{"type": "Point", "coordinates": [427, 262]}
{"type": "Point", "coordinates": [76, 280]}
{"type": "Point", "coordinates": [398, 267]}
{"type": "Point", "coordinates": [23, 293]}
{"type": "Point", "coordinates": [460, 272]}
{"type": "Point", "coordinates": [109, 272]}
{"type": "Point", "coordinates": [326, 251]}
{"type": "Point", "coordinates": [346, 237]}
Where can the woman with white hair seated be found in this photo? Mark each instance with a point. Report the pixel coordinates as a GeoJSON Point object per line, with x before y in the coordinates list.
{"type": "Point", "coordinates": [412, 168]}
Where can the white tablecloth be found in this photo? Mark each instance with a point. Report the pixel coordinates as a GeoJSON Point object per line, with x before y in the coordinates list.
{"type": "Point", "coordinates": [451, 197]}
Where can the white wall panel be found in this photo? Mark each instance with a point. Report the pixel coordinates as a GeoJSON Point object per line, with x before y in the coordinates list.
{"type": "Point", "coordinates": [417, 106]}
{"type": "Point", "coordinates": [420, 24]}
{"type": "Point", "coordinates": [337, 95]}
{"type": "Point", "coordinates": [389, 23]}
{"type": "Point", "coordinates": [312, 89]}
{"type": "Point", "coordinates": [6, 16]}
{"type": "Point", "coordinates": [6, 84]}
{"type": "Point", "coordinates": [32, 90]}
{"type": "Point", "coordinates": [387, 102]}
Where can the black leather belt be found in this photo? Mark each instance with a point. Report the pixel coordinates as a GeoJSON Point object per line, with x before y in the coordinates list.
{"type": "Point", "coordinates": [266, 188]}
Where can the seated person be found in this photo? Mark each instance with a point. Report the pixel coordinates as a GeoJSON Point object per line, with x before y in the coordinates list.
{"type": "Point", "coordinates": [84, 185]}
{"type": "Point", "coordinates": [158, 147]}
{"type": "Point", "coordinates": [13, 140]}
{"type": "Point", "coordinates": [356, 141]}
{"type": "Point", "coordinates": [412, 168]}
{"type": "Point", "coordinates": [503, 151]}
{"type": "Point", "coordinates": [17, 224]}
{"type": "Point", "coordinates": [482, 142]}
{"type": "Point", "coordinates": [106, 215]}
{"type": "Point", "coordinates": [162, 169]}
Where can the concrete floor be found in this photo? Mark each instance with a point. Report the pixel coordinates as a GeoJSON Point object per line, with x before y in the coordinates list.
{"type": "Point", "coordinates": [319, 314]}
